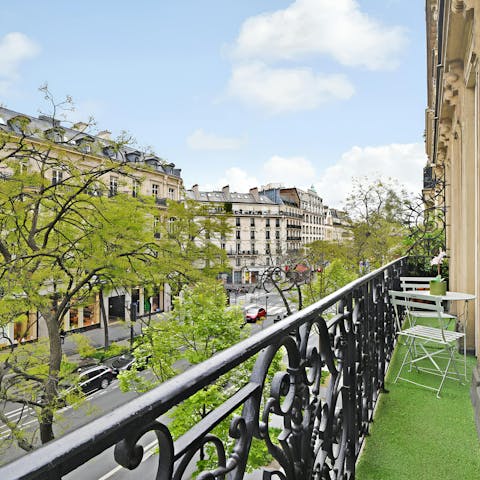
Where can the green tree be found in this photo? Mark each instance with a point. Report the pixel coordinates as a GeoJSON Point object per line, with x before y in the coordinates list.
{"type": "Point", "coordinates": [199, 326]}
{"type": "Point", "coordinates": [58, 238]}
{"type": "Point", "coordinates": [66, 235]}
{"type": "Point", "coordinates": [189, 236]}
{"type": "Point", "coordinates": [379, 216]}
{"type": "Point", "coordinates": [332, 277]}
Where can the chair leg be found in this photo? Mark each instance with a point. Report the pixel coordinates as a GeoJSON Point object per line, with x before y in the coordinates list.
{"type": "Point", "coordinates": [410, 345]}
{"type": "Point", "coordinates": [444, 377]}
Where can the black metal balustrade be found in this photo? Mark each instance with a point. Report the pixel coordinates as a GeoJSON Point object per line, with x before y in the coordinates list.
{"type": "Point", "coordinates": [322, 431]}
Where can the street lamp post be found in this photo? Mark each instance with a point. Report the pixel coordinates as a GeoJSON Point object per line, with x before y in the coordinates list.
{"type": "Point", "coordinates": [133, 319]}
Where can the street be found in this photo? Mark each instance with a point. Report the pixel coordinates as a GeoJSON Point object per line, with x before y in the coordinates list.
{"type": "Point", "coordinates": [272, 302]}
{"type": "Point", "coordinates": [103, 466]}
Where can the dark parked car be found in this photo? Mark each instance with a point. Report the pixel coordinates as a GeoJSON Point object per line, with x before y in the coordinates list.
{"type": "Point", "coordinates": [254, 314]}
{"type": "Point", "coordinates": [94, 377]}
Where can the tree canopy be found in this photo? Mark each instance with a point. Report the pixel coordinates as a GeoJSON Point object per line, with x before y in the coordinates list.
{"type": "Point", "coordinates": [66, 234]}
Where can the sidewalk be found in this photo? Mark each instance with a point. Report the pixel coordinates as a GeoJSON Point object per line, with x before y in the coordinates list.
{"type": "Point", "coordinates": [118, 332]}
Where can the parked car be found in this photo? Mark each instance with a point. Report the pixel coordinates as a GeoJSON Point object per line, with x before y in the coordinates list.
{"type": "Point", "coordinates": [95, 377]}
{"type": "Point", "coordinates": [253, 314]}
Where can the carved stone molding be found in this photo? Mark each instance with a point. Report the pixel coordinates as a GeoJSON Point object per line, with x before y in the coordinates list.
{"type": "Point", "coordinates": [458, 6]}
{"type": "Point", "coordinates": [452, 81]}
{"type": "Point", "coordinates": [445, 128]}
{"type": "Point", "coordinates": [441, 156]}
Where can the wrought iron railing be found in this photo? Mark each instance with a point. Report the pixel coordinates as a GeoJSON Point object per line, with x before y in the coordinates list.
{"type": "Point", "coordinates": [349, 334]}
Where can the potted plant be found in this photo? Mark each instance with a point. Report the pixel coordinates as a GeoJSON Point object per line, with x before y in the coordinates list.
{"type": "Point", "coordinates": [438, 286]}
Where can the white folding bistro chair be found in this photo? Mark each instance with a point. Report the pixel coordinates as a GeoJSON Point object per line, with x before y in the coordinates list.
{"type": "Point", "coordinates": [415, 283]}
{"type": "Point", "coordinates": [430, 350]}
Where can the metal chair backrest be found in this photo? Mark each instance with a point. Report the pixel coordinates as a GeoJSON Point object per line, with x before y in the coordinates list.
{"type": "Point", "coordinates": [415, 283]}
{"type": "Point", "coordinates": [416, 302]}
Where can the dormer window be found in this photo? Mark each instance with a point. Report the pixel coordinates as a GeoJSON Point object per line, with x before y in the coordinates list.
{"type": "Point", "coordinates": [152, 162]}
{"type": "Point", "coordinates": [133, 157]}
{"type": "Point", "coordinates": [19, 124]}
{"type": "Point", "coordinates": [169, 168]}
{"type": "Point", "coordinates": [85, 143]}
{"type": "Point", "coordinates": [109, 151]}
{"type": "Point", "coordinates": [55, 134]}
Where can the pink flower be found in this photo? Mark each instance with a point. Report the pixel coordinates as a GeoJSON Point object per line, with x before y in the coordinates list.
{"type": "Point", "coordinates": [438, 259]}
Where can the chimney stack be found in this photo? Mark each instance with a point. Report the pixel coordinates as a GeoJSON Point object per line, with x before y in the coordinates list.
{"type": "Point", "coordinates": [254, 192]}
{"type": "Point", "coordinates": [80, 126]}
{"type": "Point", "coordinates": [105, 135]}
{"type": "Point", "coordinates": [196, 192]}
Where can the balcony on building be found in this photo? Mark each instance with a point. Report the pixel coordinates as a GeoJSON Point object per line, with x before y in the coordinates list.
{"type": "Point", "coordinates": [314, 418]}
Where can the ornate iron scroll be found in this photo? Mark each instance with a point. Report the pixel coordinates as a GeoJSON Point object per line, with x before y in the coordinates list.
{"type": "Point", "coordinates": [346, 339]}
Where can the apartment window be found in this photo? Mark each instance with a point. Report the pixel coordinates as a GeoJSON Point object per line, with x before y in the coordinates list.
{"type": "Point", "coordinates": [252, 246]}
{"type": "Point", "coordinates": [277, 235]}
{"type": "Point", "coordinates": [237, 221]}
{"type": "Point", "coordinates": [237, 234]}
{"type": "Point", "coordinates": [238, 248]}
{"type": "Point", "coordinates": [277, 222]}
{"type": "Point", "coordinates": [222, 246]}
{"type": "Point", "coordinates": [156, 227]}
{"type": "Point", "coordinates": [171, 193]}
{"type": "Point", "coordinates": [252, 235]}
{"type": "Point", "coordinates": [267, 222]}
{"type": "Point", "coordinates": [57, 177]}
{"type": "Point", "coordinates": [155, 189]}
{"type": "Point", "coordinates": [113, 186]}
{"type": "Point", "coordinates": [267, 234]}
{"type": "Point", "coordinates": [237, 261]}
{"type": "Point", "coordinates": [135, 187]}
{"type": "Point", "coordinates": [267, 249]}
{"type": "Point", "coordinates": [252, 222]}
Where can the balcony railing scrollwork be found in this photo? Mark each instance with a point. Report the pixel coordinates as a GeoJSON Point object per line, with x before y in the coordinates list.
{"type": "Point", "coordinates": [349, 335]}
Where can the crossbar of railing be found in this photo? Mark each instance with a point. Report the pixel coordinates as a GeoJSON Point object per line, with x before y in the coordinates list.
{"type": "Point", "coordinates": [322, 434]}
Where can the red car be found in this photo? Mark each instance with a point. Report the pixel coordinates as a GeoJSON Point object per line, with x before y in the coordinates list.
{"type": "Point", "coordinates": [254, 314]}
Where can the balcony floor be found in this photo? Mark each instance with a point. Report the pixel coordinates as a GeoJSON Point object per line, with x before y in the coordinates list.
{"type": "Point", "coordinates": [417, 436]}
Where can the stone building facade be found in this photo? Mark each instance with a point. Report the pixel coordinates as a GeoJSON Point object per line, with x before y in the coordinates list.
{"type": "Point", "coordinates": [152, 177]}
{"type": "Point", "coordinates": [269, 226]}
{"type": "Point", "coordinates": [452, 179]}
{"type": "Point", "coordinates": [259, 231]}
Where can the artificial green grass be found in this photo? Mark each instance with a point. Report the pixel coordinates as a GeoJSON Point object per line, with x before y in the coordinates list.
{"type": "Point", "coordinates": [416, 436]}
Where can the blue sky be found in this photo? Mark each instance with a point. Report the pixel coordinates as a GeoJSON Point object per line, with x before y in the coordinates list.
{"type": "Point", "coordinates": [305, 92]}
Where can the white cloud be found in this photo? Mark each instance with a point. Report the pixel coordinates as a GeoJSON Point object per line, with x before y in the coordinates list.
{"type": "Point", "coordinates": [281, 90]}
{"type": "Point", "coordinates": [15, 48]}
{"type": "Point", "coordinates": [403, 162]}
{"type": "Point", "coordinates": [291, 171]}
{"type": "Point", "coordinates": [238, 180]}
{"type": "Point", "coordinates": [288, 171]}
{"type": "Point", "coordinates": [200, 140]}
{"type": "Point", "coordinates": [312, 27]}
